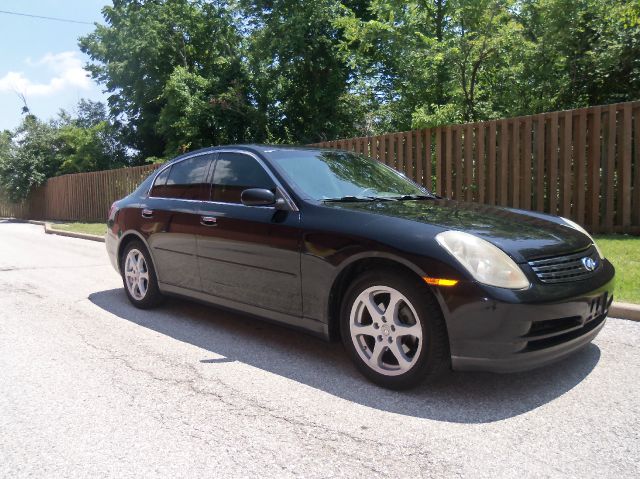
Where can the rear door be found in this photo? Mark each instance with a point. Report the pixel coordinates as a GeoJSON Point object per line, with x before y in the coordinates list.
{"type": "Point", "coordinates": [171, 220]}
{"type": "Point", "coordinates": [249, 254]}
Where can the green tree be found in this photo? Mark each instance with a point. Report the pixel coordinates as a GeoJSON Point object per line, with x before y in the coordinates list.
{"type": "Point", "coordinates": [184, 74]}
{"type": "Point", "coordinates": [397, 54]}
{"type": "Point", "coordinates": [136, 56]}
{"type": "Point", "coordinates": [436, 61]}
{"type": "Point", "coordinates": [71, 143]}
{"type": "Point", "coordinates": [88, 140]}
{"type": "Point", "coordinates": [585, 53]}
{"type": "Point", "coordinates": [88, 149]}
{"type": "Point", "coordinates": [300, 85]}
{"type": "Point", "coordinates": [201, 111]}
{"type": "Point", "coordinates": [27, 157]}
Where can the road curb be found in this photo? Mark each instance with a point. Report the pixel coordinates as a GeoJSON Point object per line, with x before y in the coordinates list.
{"type": "Point", "coordinates": [71, 234]}
{"type": "Point", "coordinates": [48, 229]}
{"type": "Point", "coordinates": [625, 311]}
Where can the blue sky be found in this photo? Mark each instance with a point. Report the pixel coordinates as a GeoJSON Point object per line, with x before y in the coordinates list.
{"type": "Point", "coordinates": [41, 58]}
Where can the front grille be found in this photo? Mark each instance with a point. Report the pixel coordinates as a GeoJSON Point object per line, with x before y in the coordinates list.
{"type": "Point", "coordinates": [561, 269]}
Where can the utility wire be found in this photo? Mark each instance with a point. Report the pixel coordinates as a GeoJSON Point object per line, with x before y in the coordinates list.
{"type": "Point", "coordinates": [42, 17]}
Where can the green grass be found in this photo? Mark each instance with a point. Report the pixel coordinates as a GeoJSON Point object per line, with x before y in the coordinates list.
{"type": "Point", "coordinates": [624, 252]}
{"type": "Point", "coordinates": [99, 229]}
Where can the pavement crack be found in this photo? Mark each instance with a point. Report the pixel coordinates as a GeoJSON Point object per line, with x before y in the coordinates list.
{"type": "Point", "coordinates": [243, 406]}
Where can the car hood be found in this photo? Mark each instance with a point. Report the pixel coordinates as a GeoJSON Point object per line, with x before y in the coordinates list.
{"type": "Point", "coordinates": [524, 235]}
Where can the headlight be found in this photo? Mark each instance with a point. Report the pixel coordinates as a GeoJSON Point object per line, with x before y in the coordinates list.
{"type": "Point", "coordinates": [487, 263]}
{"type": "Point", "coordinates": [576, 226]}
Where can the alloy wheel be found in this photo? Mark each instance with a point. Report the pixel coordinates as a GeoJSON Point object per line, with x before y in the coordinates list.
{"type": "Point", "coordinates": [386, 330]}
{"type": "Point", "coordinates": [136, 274]}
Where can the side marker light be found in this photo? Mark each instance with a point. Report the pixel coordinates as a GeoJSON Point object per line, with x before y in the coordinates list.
{"type": "Point", "coordinates": [440, 281]}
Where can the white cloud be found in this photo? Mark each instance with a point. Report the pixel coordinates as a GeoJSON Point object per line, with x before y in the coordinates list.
{"type": "Point", "coordinates": [63, 69]}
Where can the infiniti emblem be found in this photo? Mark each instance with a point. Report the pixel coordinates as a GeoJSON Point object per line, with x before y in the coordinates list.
{"type": "Point", "coordinates": [589, 263]}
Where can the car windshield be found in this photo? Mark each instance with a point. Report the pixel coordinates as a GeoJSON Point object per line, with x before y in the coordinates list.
{"type": "Point", "coordinates": [338, 175]}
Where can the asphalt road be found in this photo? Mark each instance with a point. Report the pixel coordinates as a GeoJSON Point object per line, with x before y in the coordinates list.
{"type": "Point", "coordinates": [91, 387]}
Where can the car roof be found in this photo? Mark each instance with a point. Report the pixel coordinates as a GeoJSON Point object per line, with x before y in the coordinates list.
{"type": "Point", "coordinates": [252, 147]}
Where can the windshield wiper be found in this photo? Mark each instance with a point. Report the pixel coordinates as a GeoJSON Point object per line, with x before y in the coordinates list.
{"type": "Point", "coordinates": [351, 198]}
{"type": "Point", "coordinates": [414, 197]}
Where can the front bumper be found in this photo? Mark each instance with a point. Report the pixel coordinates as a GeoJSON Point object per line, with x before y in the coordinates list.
{"type": "Point", "coordinates": [498, 334]}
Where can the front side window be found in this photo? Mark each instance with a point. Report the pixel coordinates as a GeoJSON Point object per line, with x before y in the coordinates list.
{"type": "Point", "coordinates": [236, 172]}
{"type": "Point", "coordinates": [185, 180]}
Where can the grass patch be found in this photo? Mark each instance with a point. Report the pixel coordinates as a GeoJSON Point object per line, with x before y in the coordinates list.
{"type": "Point", "coordinates": [98, 229]}
{"type": "Point", "coordinates": [624, 252]}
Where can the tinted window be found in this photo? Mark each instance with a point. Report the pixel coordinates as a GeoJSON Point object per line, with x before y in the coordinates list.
{"type": "Point", "coordinates": [185, 180]}
{"type": "Point", "coordinates": [236, 172]}
{"type": "Point", "coordinates": [158, 185]}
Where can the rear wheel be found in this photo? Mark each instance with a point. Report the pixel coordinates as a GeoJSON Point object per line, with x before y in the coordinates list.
{"type": "Point", "coordinates": [139, 276]}
{"type": "Point", "coordinates": [394, 330]}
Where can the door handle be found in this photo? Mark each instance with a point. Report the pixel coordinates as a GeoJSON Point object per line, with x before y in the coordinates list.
{"type": "Point", "coordinates": [146, 213]}
{"type": "Point", "coordinates": [208, 221]}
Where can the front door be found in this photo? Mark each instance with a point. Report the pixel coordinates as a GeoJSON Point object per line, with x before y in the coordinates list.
{"type": "Point", "coordinates": [248, 254]}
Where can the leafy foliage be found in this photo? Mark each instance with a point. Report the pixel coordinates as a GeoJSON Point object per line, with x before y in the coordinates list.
{"type": "Point", "coordinates": [445, 61]}
{"type": "Point", "coordinates": [38, 150]}
{"type": "Point", "coordinates": [299, 84]}
{"type": "Point", "coordinates": [25, 161]}
{"type": "Point", "coordinates": [161, 60]}
{"type": "Point", "coordinates": [185, 74]}
{"type": "Point", "coordinates": [188, 73]}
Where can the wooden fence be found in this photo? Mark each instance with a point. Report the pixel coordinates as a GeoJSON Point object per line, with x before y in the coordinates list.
{"type": "Point", "coordinates": [583, 164]}
{"type": "Point", "coordinates": [78, 197]}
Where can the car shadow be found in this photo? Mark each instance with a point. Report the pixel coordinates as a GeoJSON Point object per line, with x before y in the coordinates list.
{"type": "Point", "coordinates": [458, 397]}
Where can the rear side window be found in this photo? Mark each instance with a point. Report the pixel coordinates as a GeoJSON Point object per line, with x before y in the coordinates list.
{"type": "Point", "coordinates": [185, 180]}
{"type": "Point", "coordinates": [161, 181]}
{"type": "Point", "coordinates": [236, 172]}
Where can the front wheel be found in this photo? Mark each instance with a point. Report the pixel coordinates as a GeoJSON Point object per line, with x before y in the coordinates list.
{"type": "Point", "coordinates": [139, 276]}
{"type": "Point", "coordinates": [393, 329]}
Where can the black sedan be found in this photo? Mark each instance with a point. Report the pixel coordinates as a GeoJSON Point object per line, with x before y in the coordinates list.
{"type": "Point", "coordinates": [345, 247]}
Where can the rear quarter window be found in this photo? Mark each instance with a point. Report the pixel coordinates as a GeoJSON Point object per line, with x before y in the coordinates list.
{"type": "Point", "coordinates": [186, 179]}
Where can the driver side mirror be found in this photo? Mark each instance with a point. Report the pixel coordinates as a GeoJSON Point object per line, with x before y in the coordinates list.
{"type": "Point", "coordinates": [258, 197]}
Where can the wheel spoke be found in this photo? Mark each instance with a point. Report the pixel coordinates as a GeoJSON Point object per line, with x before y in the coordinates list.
{"type": "Point", "coordinates": [144, 275]}
{"type": "Point", "coordinates": [140, 263]}
{"type": "Point", "coordinates": [142, 287]}
{"type": "Point", "coordinates": [395, 300]}
{"type": "Point", "coordinates": [403, 360]}
{"type": "Point", "coordinates": [408, 330]}
{"type": "Point", "coordinates": [364, 330]}
{"type": "Point", "coordinates": [376, 354]}
{"type": "Point", "coordinates": [372, 307]}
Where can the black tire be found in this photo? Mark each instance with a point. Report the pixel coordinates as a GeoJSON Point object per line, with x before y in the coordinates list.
{"type": "Point", "coordinates": [152, 297]}
{"type": "Point", "coordinates": [431, 357]}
